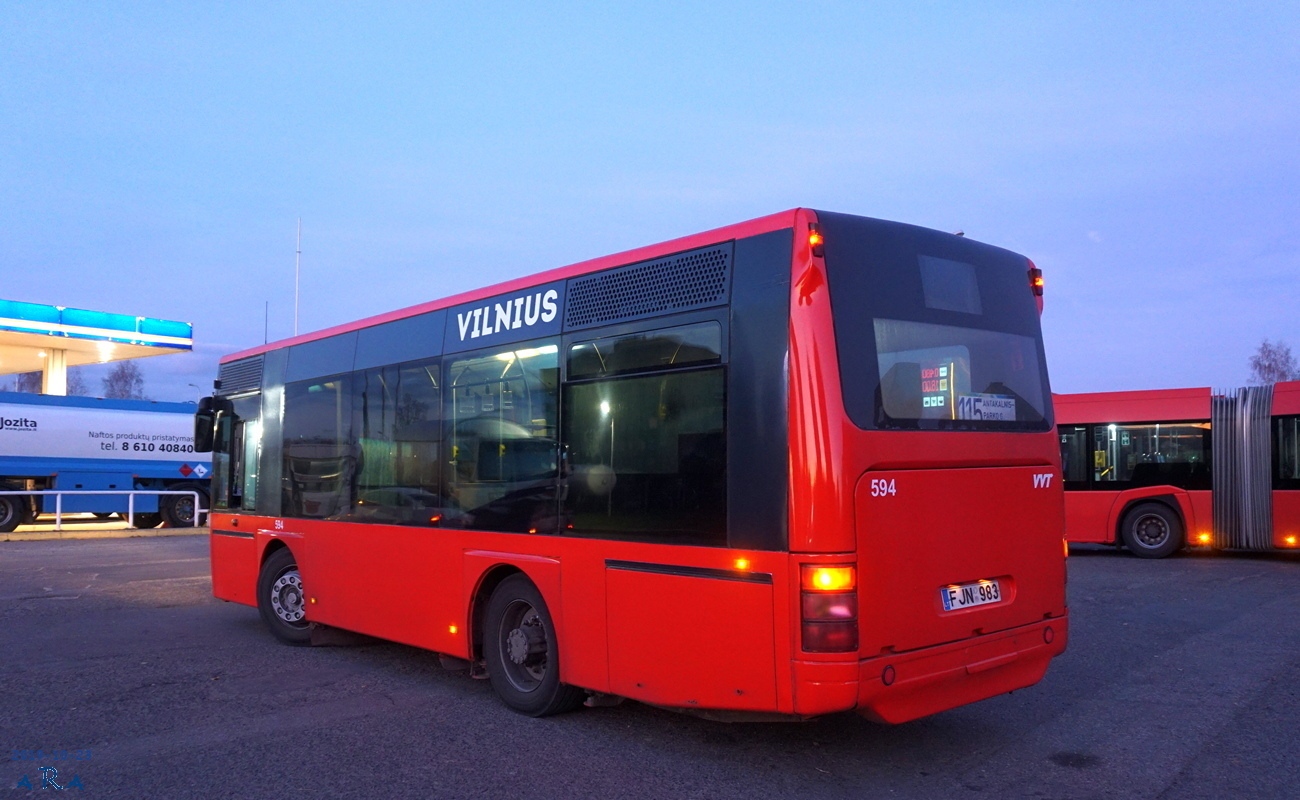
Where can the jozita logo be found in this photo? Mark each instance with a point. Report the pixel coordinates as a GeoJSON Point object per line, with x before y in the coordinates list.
{"type": "Point", "coordinates": [19, 424]}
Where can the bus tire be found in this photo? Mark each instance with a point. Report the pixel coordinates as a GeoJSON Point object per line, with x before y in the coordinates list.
{"type": "Point", "coordinates": [522, 655]}
{"type": "Point", "coordinates": [1152, 530]}
{"type": "Point", "coordinates": [143, 521]}
{"type": "Point", "coordinates": [178, 509]}
{"type": "Point", "coordinates": [280, 598]}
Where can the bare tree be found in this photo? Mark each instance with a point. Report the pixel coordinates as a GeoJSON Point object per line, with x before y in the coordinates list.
{"type": "Point", "coordinates": [124, 382]}
{"type": "Point", "coordinates": [77, 385]}
{"type": "Point", "coordinates": [1273, 363]}
{"type": "Point", "coordinates": [29, 382]}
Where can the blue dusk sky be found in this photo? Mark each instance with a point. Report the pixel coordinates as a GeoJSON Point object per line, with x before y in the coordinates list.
{"type": "Point", "coordinates": [154, 158]}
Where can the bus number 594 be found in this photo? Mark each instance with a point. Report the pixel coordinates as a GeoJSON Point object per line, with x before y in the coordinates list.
{"type": "Point", "coordinates": [882, 487]}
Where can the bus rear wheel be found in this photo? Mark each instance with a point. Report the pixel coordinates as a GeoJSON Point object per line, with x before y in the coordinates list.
{"type": "Point", "coordinates": [281, 600]}
{"type": "Point", "coordinates": [1152, 530]}
{"type": "Point", "coordinates": [522, 655]}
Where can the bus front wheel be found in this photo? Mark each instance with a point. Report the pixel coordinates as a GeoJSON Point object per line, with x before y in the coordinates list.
{"type": "Point", "coordinates": [1152, 530]}
{"type": "Point", "coordinates": [280, 598]}
{"type": "Point", "coordinates": [519, 645]}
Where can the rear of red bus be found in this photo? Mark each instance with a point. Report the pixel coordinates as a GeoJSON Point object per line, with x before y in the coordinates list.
{"type": "Point", "coordinates": [926, 511]}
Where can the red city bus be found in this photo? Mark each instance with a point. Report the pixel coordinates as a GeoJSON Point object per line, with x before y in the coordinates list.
{"type": "Point", "coordinates": [798, 465]}
{"type": "Point", "coordinates": [1140, 469]}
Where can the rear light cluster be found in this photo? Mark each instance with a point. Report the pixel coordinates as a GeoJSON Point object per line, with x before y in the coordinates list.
{"type": "Point", "coordinates": [1035, 280]}
{"type": "Point", "coordinates": [829, 608]}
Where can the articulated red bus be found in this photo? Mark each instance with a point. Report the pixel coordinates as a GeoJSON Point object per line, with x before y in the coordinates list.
{"type": "Point", "coordinates": [799, 465]}
{"type": "Point", "coordinates": [1140, 469]}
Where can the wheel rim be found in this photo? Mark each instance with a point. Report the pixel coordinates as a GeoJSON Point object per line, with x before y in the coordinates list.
{"type": "Point", "coordinates": [287, 598]}
{"type": "Point", "coordinates": [184, 509]}
{"type": "Point", "coordinates": [1151, 530]}
{"type": "Point", "coordinates": [523, 646]}
{"type": "Point", "coordinates": [8, 508]}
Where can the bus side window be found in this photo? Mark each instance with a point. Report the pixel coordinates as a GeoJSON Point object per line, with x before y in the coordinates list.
{"type": "Point", "coordinates": [647, 452]}
{"type": "Point", "coordinates": [501, 463]}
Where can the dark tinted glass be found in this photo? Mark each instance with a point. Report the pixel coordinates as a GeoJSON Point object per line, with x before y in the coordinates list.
{"type": "Point", "coordinates": [1075, 457]}
{"type": "Point", "coordinates": [320, 458]}
{"type": "Point", "coordinates": [398, 414]}
{"type": "Point", "coordinates": [669, 348]}
{"type": "Point", "coordinates": [503, 469]}
{"type": "Point", "coordinates": [949, 285]}
{"type": "Point", "coordinates": [908, 301]}
{"type": "Point", "coordinates": [648, 457]}
{"type": "Point", "coordinates": [1286, 453]}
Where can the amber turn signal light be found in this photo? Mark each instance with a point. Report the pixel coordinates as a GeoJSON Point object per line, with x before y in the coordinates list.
{"type": "Point", "coordinates": [829, 579]}
{"type": "Point", "coordinates": [1035, 280]}
{"type": "Point", "coordinates": [816, 242]}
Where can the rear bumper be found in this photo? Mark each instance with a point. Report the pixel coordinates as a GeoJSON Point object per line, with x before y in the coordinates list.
{"type": "Point", "coordinates": [906, 686]}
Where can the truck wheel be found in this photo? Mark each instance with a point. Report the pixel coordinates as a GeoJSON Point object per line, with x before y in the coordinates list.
{"type": "Point", "coordinates": [13, 511]}
{"type": "Point", "coordinates": [147, 520]}
{"type": "Point", "coordinates": [1152, 530]}
{"type": "Point", "coordinates": [280, 598]}
{"type": "Point", "coordinates": [523, 659]}
{"type": "Point", "coordinates": [178, 510]}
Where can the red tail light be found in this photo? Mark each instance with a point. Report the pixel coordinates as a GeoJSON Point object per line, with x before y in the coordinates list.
{"type": "Point", "coordinates": [829, 608]}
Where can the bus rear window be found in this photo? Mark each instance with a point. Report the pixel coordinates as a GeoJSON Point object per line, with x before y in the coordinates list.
{"type": "Point", "coordinates": [933, 331]}
{"type": "Point", "coordinates": [965, 377]}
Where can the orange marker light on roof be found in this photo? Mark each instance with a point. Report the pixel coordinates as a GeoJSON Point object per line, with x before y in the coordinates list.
{"type": "Point", "coordinates": [1036, 281]}
{"type": "Point", "coordinates": [829, 579]}
{"type": "Point", "coordinates": [816, 242]}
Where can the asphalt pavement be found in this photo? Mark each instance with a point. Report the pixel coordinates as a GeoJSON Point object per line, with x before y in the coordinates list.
{"type": "Point", "coordinates": [121, 672]}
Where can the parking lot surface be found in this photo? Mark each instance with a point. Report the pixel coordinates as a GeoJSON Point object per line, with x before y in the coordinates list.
{"type": "Point", "coordinates": [121, 672]}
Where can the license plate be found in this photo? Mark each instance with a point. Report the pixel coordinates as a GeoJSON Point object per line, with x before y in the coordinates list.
{"type": "Point", "coordinates": [968, 595]}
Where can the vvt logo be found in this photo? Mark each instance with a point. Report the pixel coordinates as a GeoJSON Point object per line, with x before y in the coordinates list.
{"type": "Point", "coordinates": [1042, 480]}
{"type": "Point", "coordinates": [19, 424]}
{"type": "Point", "coordinates": [510, 314]}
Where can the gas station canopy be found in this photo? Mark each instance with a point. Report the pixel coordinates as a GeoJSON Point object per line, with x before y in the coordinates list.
{"type": "Point", "coordinates": [49, 339]}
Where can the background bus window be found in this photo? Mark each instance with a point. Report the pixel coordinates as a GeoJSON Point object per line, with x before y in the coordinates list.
{"type": "Point", "coordinates": [398, 419]}
{"type": "Point", "coordinates": [1152, 454]}
{"type": "Point", "coordinates": [503, 458]}
{"type": "Point", "coordinates": [1076, 458]}
{"type": "Point", "coordinates": [319, 457]}
{"type": "Point", "coordinates": [1286, 453]}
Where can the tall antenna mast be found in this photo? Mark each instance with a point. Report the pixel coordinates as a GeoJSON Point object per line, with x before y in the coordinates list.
{"type": "Point", "coordinates": [297, 270]}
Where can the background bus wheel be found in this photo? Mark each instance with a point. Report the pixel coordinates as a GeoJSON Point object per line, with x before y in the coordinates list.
{"type": "Point", "coordinates": [147, 520]}
{"type": "Point", "coordinates": [13, 510]}
{"type": "Point", "coordinates": [280, 598]}
{"type": "Point", "coordinates": [178, 510]}
{"type": "Point", "coordinates": [1152, 530]}
{"type": "Point", "coordinates": [522, 657]}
